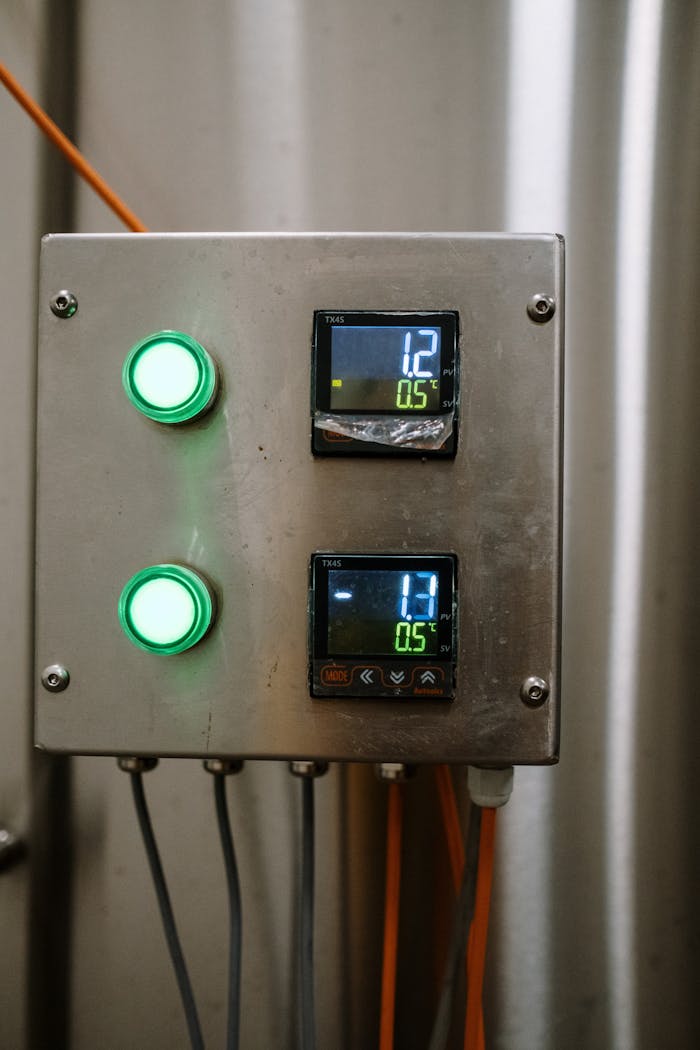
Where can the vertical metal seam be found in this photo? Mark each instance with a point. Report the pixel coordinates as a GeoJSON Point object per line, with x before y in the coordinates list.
{"type": "Point", "coordinates": [51, 854]}
{"type": "Point", "coordinates": [541, 68]}
{"type": "Point", "coordinates": [634, 231]}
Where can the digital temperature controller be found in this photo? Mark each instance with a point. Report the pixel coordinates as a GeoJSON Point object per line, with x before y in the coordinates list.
{"type": "Point", "coordinates": [388, 363]}
{"type": "Point", "coordinates": [383, 625]}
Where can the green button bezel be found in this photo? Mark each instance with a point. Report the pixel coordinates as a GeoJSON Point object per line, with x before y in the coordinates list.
{"type": "Point", "coordinates": [202, 398]}
{"type": "Point", "coordinates": [200, 592]}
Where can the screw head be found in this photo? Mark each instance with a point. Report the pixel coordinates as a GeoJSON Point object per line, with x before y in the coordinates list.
{"type": "Point", "coordinates": [541, 308]}
{"type": "Point", "coordinates": [534, 691]}
{"type": "Point", "coordinates": [63, 304]}
{"type": "Point", "coordinates": [12, 848]}
{"type": "Point", "coordinates": [55, 678]}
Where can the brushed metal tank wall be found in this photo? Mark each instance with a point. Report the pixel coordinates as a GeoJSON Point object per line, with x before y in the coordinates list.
{"type": "Point", "coordinates": [582, 118]}
{"type": "Point", "coordinates": [21, 35]}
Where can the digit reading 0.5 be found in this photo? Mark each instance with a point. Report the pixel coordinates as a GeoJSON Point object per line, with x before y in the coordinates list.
{"type": "Point", "coordinates": [411, 392]}
{"type": "Point", "coordinates": [417, 611]}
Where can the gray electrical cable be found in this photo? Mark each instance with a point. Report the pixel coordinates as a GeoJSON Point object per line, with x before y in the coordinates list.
{"type": "Point", "coordinates": [235, 917]}
{"type": "Point", "coordinates": [307, 1026]}
{"type": "Point", "coordinates": [464, 912]}
{"type": "Point", "coordinates": [166, 912]}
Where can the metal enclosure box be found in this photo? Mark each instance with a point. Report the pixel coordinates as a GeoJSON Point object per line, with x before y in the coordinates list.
{"type": "Point", "coordinates": [239, 495]}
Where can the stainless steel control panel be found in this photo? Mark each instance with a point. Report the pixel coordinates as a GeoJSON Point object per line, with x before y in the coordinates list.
{"type": "Point", "coordinates": [224, 516]}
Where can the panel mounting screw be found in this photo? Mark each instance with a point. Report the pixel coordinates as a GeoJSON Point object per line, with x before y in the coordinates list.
{"type": "Point", "coordinates": [541, 308]}
{"type": "Point", "coordinates": [63, 303]}
{"type": "Point", "coordinates": [11, 848]}
{"type": "Point", "coordinates": [534, 691]}
{"type": "Point", "coordinates": [55, 678]}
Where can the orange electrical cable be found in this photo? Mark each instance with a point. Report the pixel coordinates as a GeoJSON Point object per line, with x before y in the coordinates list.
{"type": "Point", "coordinates": [391, 916]}
{"type": "Point", "coordinates": [451, 824]}
{"type": "Point", "coordinates": [455, 848]}
{"type": "Point", "coordinates": [474, 1025]}
{"type": "Point", "coordinates": [73, 155]}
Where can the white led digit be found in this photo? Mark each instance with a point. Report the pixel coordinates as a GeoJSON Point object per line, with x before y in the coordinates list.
{"type": "Point", "coordinates": [424, 353]}
{"type": "Point", "coordinates": [427, 596]}
{"type": "Point", "coordinates": [407, 355]}
{"type": "Point", "coordinates": [404, 600]}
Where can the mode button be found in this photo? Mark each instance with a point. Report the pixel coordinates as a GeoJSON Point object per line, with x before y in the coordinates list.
{"type": "Point", "coordinates": [335, 674]}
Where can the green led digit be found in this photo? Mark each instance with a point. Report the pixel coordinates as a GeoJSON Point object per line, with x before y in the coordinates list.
{"type": "Point", "coordinates": [418, 637]}
{"type": "Point", "coordinates": [403, 394]}
{"type": "Point", "coordinates": [402, 637]}
{"type": "Point", "coordinates": [419, 393]}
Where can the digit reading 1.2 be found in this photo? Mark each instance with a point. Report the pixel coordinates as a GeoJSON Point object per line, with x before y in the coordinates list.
{"type": "Point", "coordinates": [410, 392]}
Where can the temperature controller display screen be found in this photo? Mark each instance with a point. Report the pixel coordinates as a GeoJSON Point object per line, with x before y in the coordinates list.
{"type": "Point", "coordinates": [390, 612]}
{"type": "Point", "coordinates": [391, 363]}
{"type": "Point", "coordinates": [391, 367]}
{"type": "Point", "coordinates": [383, 606]}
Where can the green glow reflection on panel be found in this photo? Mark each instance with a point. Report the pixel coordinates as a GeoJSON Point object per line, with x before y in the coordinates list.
{"type": "Point", "coordinates": [170, 377]}
{"type": "Point", "coordinates": [166, 609]}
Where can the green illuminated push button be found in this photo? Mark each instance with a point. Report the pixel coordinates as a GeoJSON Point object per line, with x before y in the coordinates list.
{"type": "Point", "coordinates": [166, 609]}
{"type": "Point", "coordinates": [170, 377]}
